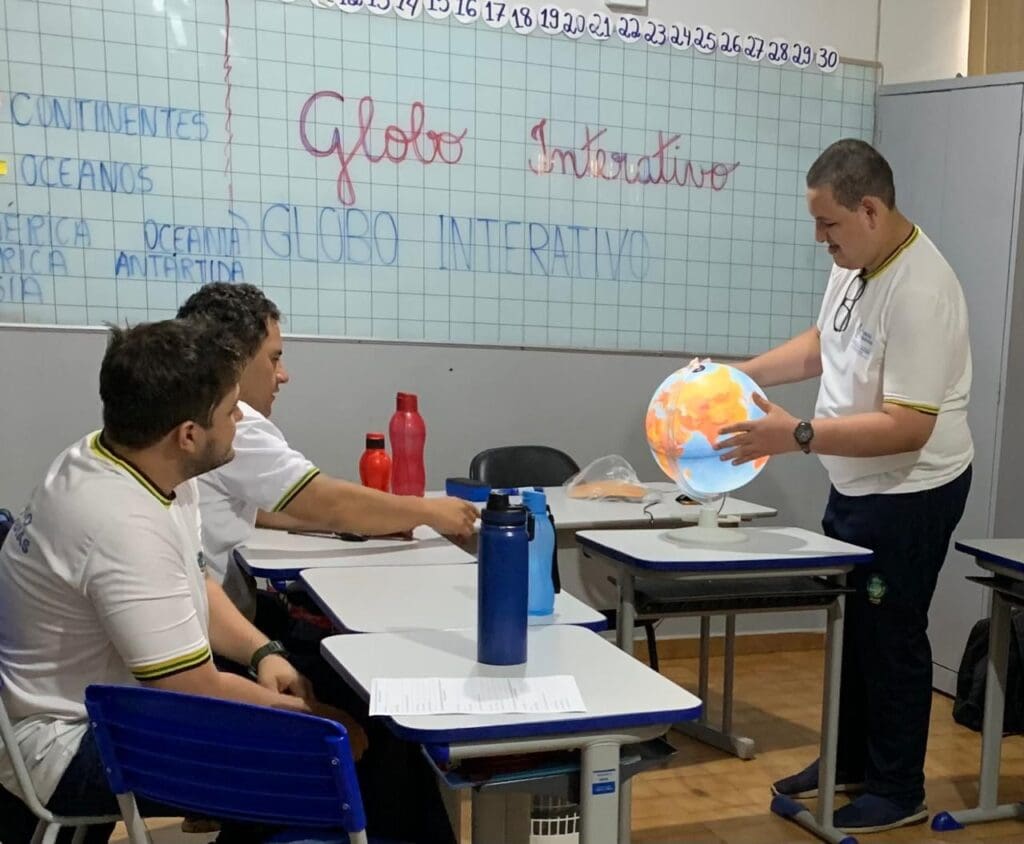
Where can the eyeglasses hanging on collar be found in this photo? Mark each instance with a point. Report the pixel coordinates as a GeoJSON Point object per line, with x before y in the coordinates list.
{"type": "Point", "coordinates": [854, 290]}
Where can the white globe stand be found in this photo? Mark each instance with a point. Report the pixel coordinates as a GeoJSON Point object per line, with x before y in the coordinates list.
{"type": "Point", "coordinates": [707, 531]}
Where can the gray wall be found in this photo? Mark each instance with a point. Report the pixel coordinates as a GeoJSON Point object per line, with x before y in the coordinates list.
{"type": "Point", "coordinates": [588, 404]}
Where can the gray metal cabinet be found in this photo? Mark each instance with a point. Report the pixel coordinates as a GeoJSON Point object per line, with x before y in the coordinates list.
{"type": "Point", "coordinates": [955, 151]}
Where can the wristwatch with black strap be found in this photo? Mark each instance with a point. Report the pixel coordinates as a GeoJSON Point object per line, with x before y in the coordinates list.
{"type": "Point", "coordinates": [803, 433]}
{"type": "Point", "coordinates": [272, 647]}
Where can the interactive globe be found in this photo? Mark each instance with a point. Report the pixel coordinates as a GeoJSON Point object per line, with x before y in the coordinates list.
{"type": "Point", "coordinates": [683, 420]}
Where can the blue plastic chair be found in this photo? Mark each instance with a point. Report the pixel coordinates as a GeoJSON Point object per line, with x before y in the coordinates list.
{"type": "Point", "coordinates": [221, 759]}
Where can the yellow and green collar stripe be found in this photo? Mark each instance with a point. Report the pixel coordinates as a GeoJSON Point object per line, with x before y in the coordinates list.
{"type": "Point", "coordinates": [97, 445]}
{"type": "Point", "coordinates": [888, 262]}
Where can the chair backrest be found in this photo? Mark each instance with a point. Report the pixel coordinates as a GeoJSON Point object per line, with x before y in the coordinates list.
{"type": "Point", "coordinates": [522, 465]}
{"type": "Point", "coordinates": [7, 739]}
{"type": "Point", "coordinates": [525, 465]}
{"type": "Point", "coordinates": [229, 760]}
{"type": "Point", "coordinates": [9, 745]}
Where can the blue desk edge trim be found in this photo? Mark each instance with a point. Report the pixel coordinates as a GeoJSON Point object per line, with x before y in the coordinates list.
{"type": "Point", "coordinates": [581, 725]}
{"type": "Point", "coordinates": [736, 565]}
{"type": "Point", "coordinates": [442, 738]}
{"type": "Point", "coordinates": [255, 570]}
{"type": "Point", "coordinates": [989, 556]}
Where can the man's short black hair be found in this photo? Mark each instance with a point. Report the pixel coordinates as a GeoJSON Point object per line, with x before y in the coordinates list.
{"type": "Point", "coordinates": [242, 310]}
{"type": "Point", "coordinates": [157, 375]}
{"type": "Point", "coordinates": [853, 169]}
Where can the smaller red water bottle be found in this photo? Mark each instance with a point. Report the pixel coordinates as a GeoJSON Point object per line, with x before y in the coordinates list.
{"type": "Point", "coordinates": [375, 464]}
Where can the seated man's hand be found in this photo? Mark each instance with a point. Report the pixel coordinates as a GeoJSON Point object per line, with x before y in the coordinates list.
{"type": "Point", "coordinates": [356, 737]}
{"type": "Point", "coordinates": [279, 675]}
{"type": "Point", "coordinates": [452, 516]}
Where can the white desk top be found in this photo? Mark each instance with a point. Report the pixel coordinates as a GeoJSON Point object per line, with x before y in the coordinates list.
{"type": "Point", "coordinates": [619, 692]}
{"type": "Point", "coordinates": [1008, 553]}
{"type": "Point", "coordinates": [765, 548]}
{"type": "Point", "coordinates": [381, 599]}
{"type": "Point", "coordinates": [284, 555]}
{"type": "Point", "coordinates": [267, 543]}
{"type": "Point", "coordinates": [579, 513]}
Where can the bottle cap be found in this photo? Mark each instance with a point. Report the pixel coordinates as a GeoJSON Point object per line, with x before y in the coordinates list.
{"type": "Point", "coordinates": [500, 512]}
{"type": "Point", "coordinates": [536, 501]}
{"type": "Point", "coordinates": [407, 401]}
{"type": "Point", "coordinates": [375, 440]}
{"type": "Point", "coordinates": [467, 489]}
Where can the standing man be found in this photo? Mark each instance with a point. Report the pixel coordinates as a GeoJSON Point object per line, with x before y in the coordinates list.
{"type": "Point", "coordinates": [892, 350]}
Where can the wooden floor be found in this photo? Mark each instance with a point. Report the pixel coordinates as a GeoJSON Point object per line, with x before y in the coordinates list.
{"type": "Point", "coordinates": [707, 796]}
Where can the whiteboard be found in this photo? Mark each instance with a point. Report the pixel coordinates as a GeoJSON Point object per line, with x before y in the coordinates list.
{"type": "Point", "coordinates": [436, 179]}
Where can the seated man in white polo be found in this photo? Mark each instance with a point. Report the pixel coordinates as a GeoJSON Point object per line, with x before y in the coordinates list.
{"type": "Point", "coordinates": [102, 579]}
{"type": "Point", "coordinates": [271, 480]}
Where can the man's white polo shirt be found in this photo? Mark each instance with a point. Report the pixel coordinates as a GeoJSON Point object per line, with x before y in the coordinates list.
{"type": "Point", "coordinates": [101, 581]}
{"type": "Point", "coordinates": [266, 474]}
{"type": "Point", "coordinates": [898, 335]}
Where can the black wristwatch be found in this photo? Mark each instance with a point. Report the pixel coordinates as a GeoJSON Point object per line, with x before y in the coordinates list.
{"type": "Point", "coordinates": [803, 433]}
{"type": "Point", "coordinates": [274, 647]}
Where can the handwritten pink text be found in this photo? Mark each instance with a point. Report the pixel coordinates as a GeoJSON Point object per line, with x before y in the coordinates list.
{"type": "Point", "coordinates": [399, 143]}
{"type": "Point", "coordinates": [595, 162]}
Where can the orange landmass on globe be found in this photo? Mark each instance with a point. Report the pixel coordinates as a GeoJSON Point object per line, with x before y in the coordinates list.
{"type": "Point", "coordinates": [703, 406]}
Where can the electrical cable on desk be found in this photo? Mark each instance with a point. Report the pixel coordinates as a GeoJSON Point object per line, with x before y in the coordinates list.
{"type": "Point", "coordinates": [647, 510]}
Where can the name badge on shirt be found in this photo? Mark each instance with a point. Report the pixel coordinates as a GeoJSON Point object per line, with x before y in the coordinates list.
{"type": "Point", "coordinates": [863, 341]}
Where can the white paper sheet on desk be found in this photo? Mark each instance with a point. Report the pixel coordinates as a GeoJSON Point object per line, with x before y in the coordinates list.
{"type": "Point", "coordinates": [475, 695]}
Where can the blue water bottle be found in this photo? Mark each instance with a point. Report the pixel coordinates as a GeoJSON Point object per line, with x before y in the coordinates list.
{"type": "Point", "coordinates": [541, 600]}
{"type": "Point", "coordinates": [502, 577]}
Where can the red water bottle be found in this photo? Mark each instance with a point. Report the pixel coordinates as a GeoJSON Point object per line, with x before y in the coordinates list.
{"type": "Point", "coordinates": [375, 464]}
{"type": "Point", "coordinates": [408, 434]}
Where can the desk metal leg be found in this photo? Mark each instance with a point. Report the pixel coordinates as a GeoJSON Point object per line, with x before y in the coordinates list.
{"type": "Point", "coordinates": [702, 730]}
{"type": "Point", "coordinates": [501, 816]}
{"type": "Point", "coordinates": [821, 823]}
{"type": "Point", "coordinates": [626, 614]}
{"type": "Point", "coordinates": [599, 794]}
{"type": "Point", "coordinates": [991, 730]}
{"type": "Point", "coordinates": [705, 668]}
{"type": "Point", "coordinates": [830, 714]}
{"type": "Point", "coordinates": [728, 672]}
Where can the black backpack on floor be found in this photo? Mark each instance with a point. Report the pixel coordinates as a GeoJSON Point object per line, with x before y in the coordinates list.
{"type": "Point", "coordinates": [969, 705]}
